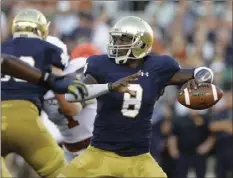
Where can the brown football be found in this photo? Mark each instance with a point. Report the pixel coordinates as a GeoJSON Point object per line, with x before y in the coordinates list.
{"type": "Point", "coordinates": [204, 97]}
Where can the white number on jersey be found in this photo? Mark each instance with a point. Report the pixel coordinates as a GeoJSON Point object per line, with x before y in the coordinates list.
{"type": "Point", "coordinates": [132, 104]}
{"type": "Point", "coordinates": [27, 59]}
{"type": "Point", "coordinates": [64, 59]}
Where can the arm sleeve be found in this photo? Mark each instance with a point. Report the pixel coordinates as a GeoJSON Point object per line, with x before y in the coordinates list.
{"type": "Point", "coordinates": [169, 68]}
{"type": "Point", "coordinates": [94, 91]}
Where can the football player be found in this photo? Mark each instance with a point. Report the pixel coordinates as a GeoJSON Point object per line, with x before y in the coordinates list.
{"type": "Point", "coordinates": [122, 128]}
{"type": "Point", "coordinates": [4, 170]}
{"type": "Point", "coordinates": [14, 67]}
{"type": "Point", "coordinates": [76, 131]}
{"type": "Point", "coordinates": [22, 130]}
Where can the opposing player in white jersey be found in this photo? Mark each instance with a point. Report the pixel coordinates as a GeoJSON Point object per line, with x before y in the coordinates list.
{"type": "Point", "coordinates": [76, 131]}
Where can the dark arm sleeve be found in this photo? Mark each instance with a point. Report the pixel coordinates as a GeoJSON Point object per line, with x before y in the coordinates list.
{"type": "Point", "coordinates": [169, 68]}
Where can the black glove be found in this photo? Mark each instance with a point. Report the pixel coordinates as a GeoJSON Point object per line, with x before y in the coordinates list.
{"type": "Point", "coordinates": [66, 84]}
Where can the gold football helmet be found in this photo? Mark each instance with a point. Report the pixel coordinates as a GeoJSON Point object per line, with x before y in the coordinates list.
{"type": "Point", "coordinates": [30, 21]}
{"type": "Point", "coordinates": [130, 38]}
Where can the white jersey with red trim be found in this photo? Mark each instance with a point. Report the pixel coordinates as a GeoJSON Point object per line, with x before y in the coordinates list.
{"type": "Point", "coordinates": [78, 128]}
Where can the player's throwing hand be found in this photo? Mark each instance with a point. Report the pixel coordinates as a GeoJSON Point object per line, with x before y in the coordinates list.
{"type": "Point", "coordinates": [122, 84]}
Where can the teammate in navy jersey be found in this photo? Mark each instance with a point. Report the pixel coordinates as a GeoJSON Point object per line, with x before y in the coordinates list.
{"type": "Point", "coordinates": [22, 130]}
{"type": "Point", "coordinates": [14, 67]}
{"type": "Point", "coordinates": [37, 53]}
{"type": "Point", "coordinates": [122, 128]}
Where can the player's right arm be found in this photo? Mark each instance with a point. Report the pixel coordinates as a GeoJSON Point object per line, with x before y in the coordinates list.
{"type": "Point", "coordinates": [14, 67]}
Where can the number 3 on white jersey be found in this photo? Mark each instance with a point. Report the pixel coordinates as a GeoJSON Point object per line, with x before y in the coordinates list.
{"type": "Point", "coordinates": [132, 104]}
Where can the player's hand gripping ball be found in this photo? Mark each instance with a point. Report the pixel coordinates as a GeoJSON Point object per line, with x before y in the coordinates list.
{"type": "Point", "coordinates": [203, 97]}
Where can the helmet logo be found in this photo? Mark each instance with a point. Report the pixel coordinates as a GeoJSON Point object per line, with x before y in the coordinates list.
{"type": "Point", "coordinates": [146, 74]}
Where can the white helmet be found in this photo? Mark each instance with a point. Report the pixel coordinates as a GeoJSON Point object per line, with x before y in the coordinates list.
{"type": "Point", "coordinates": [57, 42]}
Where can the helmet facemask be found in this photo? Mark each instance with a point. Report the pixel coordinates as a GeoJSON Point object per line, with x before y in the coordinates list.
{"type": "Point", "coordinates": [122, 45]}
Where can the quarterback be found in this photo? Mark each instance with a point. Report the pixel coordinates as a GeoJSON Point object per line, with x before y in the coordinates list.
{"type": "Point", "coordinates": [122, 128]}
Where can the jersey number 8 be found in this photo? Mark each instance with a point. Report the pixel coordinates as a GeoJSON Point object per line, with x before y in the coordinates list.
{"type": "Point", "coordinates": [132, 104]}
{"type": "Point", "coordinates": [27, 59]}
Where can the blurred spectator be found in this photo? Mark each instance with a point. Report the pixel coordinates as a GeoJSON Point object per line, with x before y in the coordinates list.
{"type": "Point", "coordinates": [161, 129]}
{"type": "Point", "coordinates": [190, 142]}
{"type": "Point", "coordinates": [4, 29]}
{"type": "Point", "coordinates": [84, 31]}
{"type": "Point", "coordinates": [65, 20]}
{"type": "Point", "coordinates": [163, 11]}
{"type": "Point", "coordinates": [111, 8]}
{"type": "Point", "coordinates": [157, 143]}
{"type": "Point", "coordinates": [221, 124]}
{"type": "Point", "coordinates": [101, 32]}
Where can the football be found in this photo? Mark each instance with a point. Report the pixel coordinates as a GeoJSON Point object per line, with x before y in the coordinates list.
{"type": "Point", "coordinates": [204, 97]}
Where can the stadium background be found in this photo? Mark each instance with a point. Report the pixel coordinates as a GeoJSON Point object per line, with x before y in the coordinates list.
{"type": "Point", "coordinates": [196, 33]}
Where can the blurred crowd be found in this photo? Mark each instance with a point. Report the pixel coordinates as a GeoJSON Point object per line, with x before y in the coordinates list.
{"type": "Point", "coordinates": [196, 33]}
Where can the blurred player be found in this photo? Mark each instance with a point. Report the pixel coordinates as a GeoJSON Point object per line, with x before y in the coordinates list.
{"type": "Point", "coordinates": [76, 131]}
{"type": "Point", "coordinates": [14, 67]}
{"type": "Point", "coordinates": [122, 128]}
{"type": "Point", "coordinates": [22, 130]}
{"type": "Point", "coordinates": [4, 170]}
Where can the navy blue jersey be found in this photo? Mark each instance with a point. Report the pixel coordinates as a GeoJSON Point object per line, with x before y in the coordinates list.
{"type": "Point", "coordinates": [122, 124]}
{"type": "Point", "coordinates": [37, 53]}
